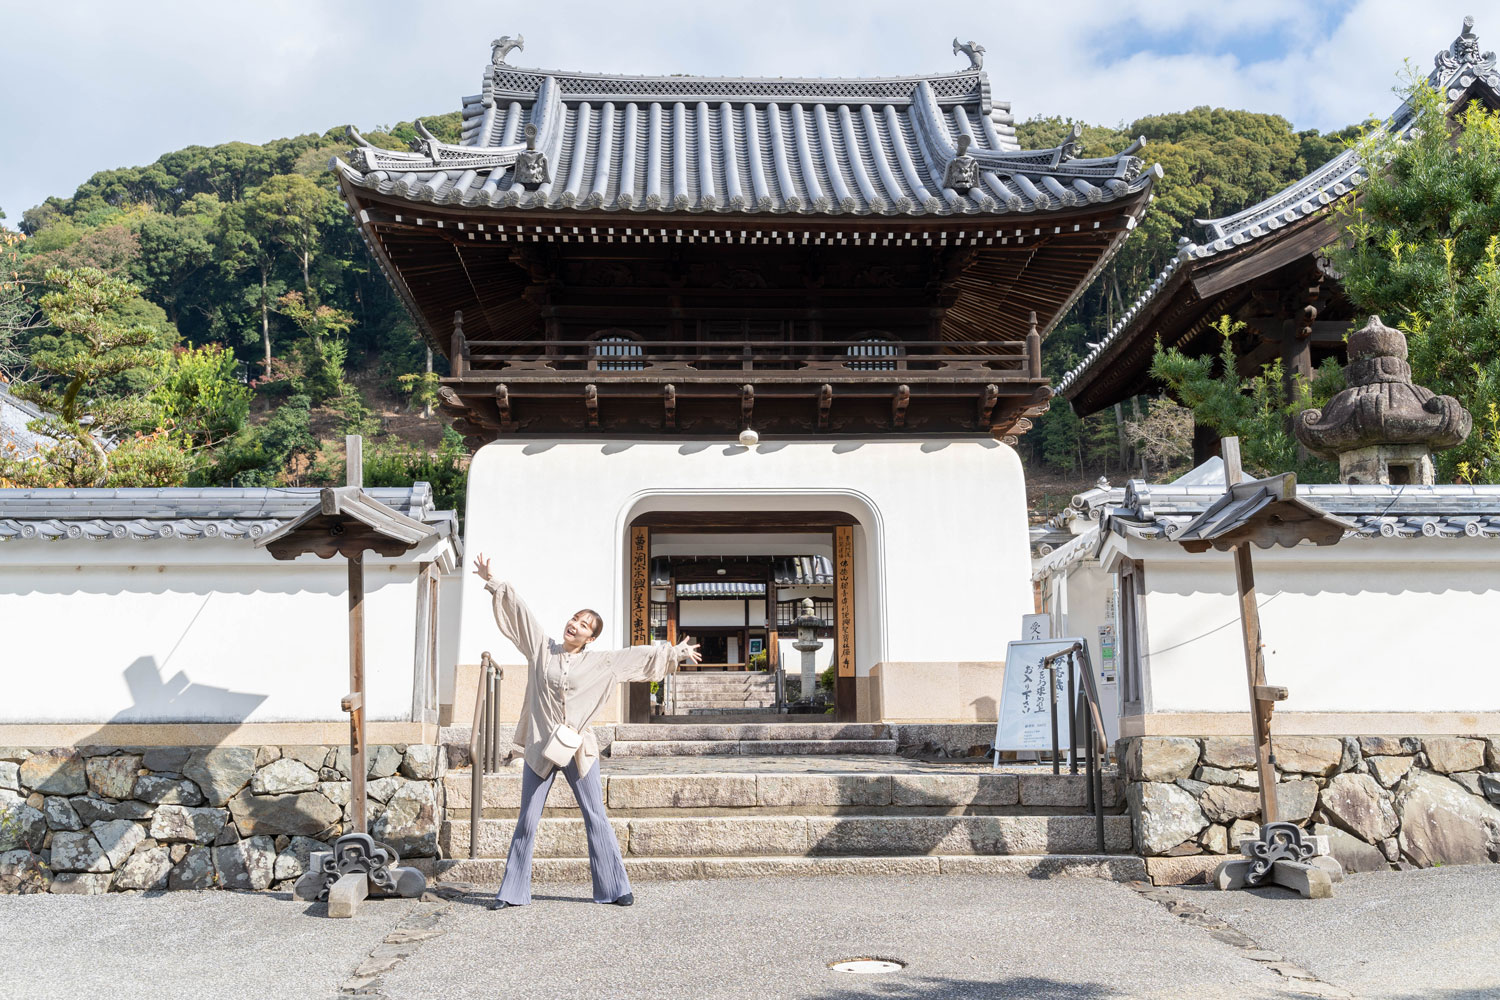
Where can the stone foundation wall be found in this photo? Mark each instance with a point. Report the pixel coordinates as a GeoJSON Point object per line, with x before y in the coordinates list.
{"type": "Point", "coordinates": [1382, 801]}
{"type": "Point", "coordinates": [100, 819]}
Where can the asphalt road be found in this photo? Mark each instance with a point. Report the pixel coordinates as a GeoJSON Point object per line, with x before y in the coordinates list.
{"type": "Point", "coordinates": [1430, 934]}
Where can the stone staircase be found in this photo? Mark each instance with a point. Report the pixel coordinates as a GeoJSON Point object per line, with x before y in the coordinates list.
{"type": "Point", "coordinates": [772, 739]}
{"type": "Point", "coordinates": [785, 816]}
{"type": "Point", "coordinates": [720, 691]}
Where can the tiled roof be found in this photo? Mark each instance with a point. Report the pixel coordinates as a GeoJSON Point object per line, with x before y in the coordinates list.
{"type": "Point", "coordinates": [1142, 510]}
{"type": "Point", "coordinates": [879, 146]}
{"type": "Point", "coordinates": [178, 512]}
{"type": "Point", "coordinates": [1455, 70]}
{"type": "Point", "coordinates": [15, 414]}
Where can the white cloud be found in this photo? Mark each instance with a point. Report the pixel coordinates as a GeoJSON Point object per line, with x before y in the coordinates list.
{"type": "Point", "coordinates": [110, 84]}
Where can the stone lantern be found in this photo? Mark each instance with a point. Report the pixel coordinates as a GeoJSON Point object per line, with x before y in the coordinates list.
{"type": "Point", "coordinates": [1382, 428]}
{"type": "Point", "coordinates": [807, 644]}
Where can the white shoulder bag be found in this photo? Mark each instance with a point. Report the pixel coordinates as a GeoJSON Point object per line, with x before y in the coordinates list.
{"type": "Point", "coordinates": [562, 745]}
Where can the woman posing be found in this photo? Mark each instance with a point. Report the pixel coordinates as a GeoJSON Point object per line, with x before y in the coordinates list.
{"type": "Point", "coordinates": [566, 686]}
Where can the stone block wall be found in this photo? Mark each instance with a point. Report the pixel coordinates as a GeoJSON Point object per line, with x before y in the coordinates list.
{"type": "Point", "coordinates": [100, 819]}
{"type": "Point", "coordinates": [1383, 801]}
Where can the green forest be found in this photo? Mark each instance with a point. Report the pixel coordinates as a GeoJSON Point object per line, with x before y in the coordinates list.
{"type": "Point", "coordinates": [217, 316]}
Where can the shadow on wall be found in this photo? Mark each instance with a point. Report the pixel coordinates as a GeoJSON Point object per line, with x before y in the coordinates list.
{"type": "Point", "coordinates": [178, 699]}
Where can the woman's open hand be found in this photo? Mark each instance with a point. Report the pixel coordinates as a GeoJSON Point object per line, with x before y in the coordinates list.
{"type": "Point", "coordinates": [688, 651]}
{"type": "Point", "coordinates": [481, 567]}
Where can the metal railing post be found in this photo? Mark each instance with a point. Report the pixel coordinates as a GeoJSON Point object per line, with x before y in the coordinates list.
{"type": "Point", "coordinates": [482, 742]}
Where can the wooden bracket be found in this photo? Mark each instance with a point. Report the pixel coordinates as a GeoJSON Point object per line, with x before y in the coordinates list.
{"type": "Point", "coordinates": [591, 403]}
{"type": "Point", "coordinates": [352, 702]}
{"type": "Point", "coordinates": [899, 404]}
{"type": "Point", "coordinates": [502, 403]}
{"type": "Point", "coordinates": [669, 406]}
{"type": "Point", "coordinates": [747, 403]}
{"type": "Point", "coordinates": [987, 405]}
{"type": "Point", "coordinates": [1270, 692]}
{"type": "Point", "coordinates": [825, 405]}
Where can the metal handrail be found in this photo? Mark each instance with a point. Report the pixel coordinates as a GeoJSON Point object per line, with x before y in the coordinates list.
{"type": "Point", "coordinates": [1083, 700]}
{"type": "Point", "coordinates": [484, 741]}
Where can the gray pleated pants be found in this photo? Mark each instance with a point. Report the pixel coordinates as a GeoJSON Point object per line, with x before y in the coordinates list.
{"type": "Point", "coordinates": [605, 864]}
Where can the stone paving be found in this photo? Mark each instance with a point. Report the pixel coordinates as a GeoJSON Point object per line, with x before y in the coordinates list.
{"type": "Point", "coordinates": [1384, 936]}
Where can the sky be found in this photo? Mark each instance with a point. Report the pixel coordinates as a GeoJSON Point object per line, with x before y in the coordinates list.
{"type": "Point", "coordinates": [94, 84]}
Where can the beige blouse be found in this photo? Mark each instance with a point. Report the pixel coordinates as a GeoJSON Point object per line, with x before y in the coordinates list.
{"type": "Point", "coordinates": [567, 688]}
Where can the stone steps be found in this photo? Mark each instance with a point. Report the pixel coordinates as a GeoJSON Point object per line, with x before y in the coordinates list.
{"type": "Point", "coordinates": [745, 794]}
{"type": "Point", "coordinates": [755, 731]}
{"type": "Point", "coordinates": [703, 837]}
{"type": "Point", "coordinates": [748, 748]}
{"type": "Point", "coordinates": [489, 871]}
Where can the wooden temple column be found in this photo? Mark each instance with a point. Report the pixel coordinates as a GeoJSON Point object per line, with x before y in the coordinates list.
{"type": "Point", "coordinates": [773, 640]}
{"type": "Point", "coordinates": [843, 620]}
{"type": "Point", "coordinates": [638, 694]}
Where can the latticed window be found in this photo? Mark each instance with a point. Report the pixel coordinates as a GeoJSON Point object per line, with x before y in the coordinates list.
{"type": "Point", "coordinates": [787, 612]}
{"type": "Point", "coordinates": [882, 352]}
{"type": "Point", "coordinates": [617, 351]}
{"type": "Point", "coordinates": [658, 620]}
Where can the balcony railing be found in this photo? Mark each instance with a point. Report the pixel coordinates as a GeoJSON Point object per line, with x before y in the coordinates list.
{"type": "Point", "coordinates": [821, 359]}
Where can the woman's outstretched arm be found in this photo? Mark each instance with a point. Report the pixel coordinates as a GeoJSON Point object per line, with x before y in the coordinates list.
{"type": "Point", "coordinates": [653, 662]}
{"type": "Point", "coordinates": [514, 618]}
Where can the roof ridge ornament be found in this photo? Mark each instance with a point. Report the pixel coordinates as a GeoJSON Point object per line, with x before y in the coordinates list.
{"type": "Point", "coordinates": [973, 50]}
{"type": "Point", "coordinates": [503, 46]}
{"type": "Point", "coordinates": [1462, 51]}
{"type": "Point", "coordinates": [963, 170]}
{"type": "Point", "coordinates": [531, 164]}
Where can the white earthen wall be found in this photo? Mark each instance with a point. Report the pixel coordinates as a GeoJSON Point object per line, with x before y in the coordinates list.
{"type": "Point", "coordinates": [941, 549]}
{"type": "Point", "coordinates": [1371, 625]}
{"type": "Point", "coordinates": [195, 631]}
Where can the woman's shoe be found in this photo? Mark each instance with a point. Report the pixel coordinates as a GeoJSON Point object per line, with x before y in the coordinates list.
{"type": "Point", "coordinates": [500, 904]}
{"type": "Point", "coordinates": [625, 900]}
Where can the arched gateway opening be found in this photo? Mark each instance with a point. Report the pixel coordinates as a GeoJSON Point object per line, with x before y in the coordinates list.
{"type": "Point", "coordinates": [735, 579]}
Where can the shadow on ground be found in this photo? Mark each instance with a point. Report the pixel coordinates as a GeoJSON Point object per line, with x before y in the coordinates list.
{"type": "Point", "coordinates": [882, 987]}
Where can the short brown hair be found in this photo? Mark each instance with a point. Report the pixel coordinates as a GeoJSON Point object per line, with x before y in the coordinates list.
{"type": "Point", "coordinates": [597, 618]}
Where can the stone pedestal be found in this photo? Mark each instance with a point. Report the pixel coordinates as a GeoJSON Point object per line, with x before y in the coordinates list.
{"type": "Point", "coordinates": [1387, 465]}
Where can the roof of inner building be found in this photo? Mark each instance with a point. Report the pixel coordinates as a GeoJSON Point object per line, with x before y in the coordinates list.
{"type": "Point", "coordinates": [1459, 72]}
{"type": "Point", "coordinates": [888, 146]}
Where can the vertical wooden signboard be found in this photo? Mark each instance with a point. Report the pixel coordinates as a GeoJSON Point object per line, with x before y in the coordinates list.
{"type": "Point", "coordinates": [638, 708]}
{"type": "Point", "coordinates": [843, 614]}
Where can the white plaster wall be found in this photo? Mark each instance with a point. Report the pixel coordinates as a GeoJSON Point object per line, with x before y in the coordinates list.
{"type": "Point", "coordinates": [1393, 625]}
{"type": "Point", "coordinates": [204, 630]}
{"type": "Point", "coordinates": [1085, 601]}
{"type": "Point", "coordinates": [711, 613]}
{"type": "Point", "coordinates": [941, 554]}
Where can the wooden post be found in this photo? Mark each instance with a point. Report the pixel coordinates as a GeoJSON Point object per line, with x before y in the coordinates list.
{"type": "Point", "coordinates": [638, 696]}
{"type": "Point", "coordinates": [356, 698]}
{"type": "Point", "coordinates": [843, 617]}
{"type": "Point", "coordinates": [1255, 665]}
{"type": "Point", "coordinates": [354, 460]}
{"type": "Point", "coordinates": [1033, 349]}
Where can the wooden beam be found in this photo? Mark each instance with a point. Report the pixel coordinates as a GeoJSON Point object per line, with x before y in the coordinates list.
{"type": "Point", "coordinates": [744, 520]}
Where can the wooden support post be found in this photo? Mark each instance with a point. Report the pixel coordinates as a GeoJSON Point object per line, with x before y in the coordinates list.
{"type": "Point", "coordinates": [1255, 666]}
{"type": "Point", "coordinates": [987, 405]}
{"type": "Point", "coordinates": [669, 406]}
{"type": "Point", "coordinates": [502, 404]}
{"type": "Point", "coordinates": [1034, 349]}
{"type": "Point", "coordinates": [458, 346]}
{"type": "Point", "coordinates": [357, 689]}
{"type": "Point", "coordinates": [747, 404]}
{"type": "Point", "coordinates": [773, 650]}
{"type": "Point", "coordinates": [354, 460]}
{"type": "Point", "coordinates": [591, 404]}
{"type": "Point", "coordinates": [899, 404]}
{"type": "Point", "coordinates": [843, 619]}
{"type": "Point", "coordinates": [825, 405]}
{"type": "Point", "coordinates": [638, 705]}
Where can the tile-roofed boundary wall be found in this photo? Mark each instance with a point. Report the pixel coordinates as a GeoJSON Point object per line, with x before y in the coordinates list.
{"type": "Point", "coordinates": [184, 512]}
{"type": "Point", "coordinates": [879, 146]}
{"type": "Point", "coordinates": [1457, 70]}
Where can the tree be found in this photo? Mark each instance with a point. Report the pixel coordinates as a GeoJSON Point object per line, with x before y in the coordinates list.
{"type": "Point", "coordinates": [296, 211]}
{"type": "Point", "coordinates": [1164, 437]}
{"type": "Point", "coordinates": [1424, 254]}
{"type": "Point", "coordinates": [17, 313]}
{"type": "Point", "coordinates": [246, 244]}
{"type": "Point", "coordinates": [1254, 408]}
{"type": "Point", "coordinates": [322, 355]}
{"type": "Point", "coordinates": [93, 346]}
{"type": "Point", "coordinates": [200, 398]}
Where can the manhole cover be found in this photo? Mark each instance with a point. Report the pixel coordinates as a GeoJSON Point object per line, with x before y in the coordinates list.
{"type": "Point", "coordinates": [867, 966]}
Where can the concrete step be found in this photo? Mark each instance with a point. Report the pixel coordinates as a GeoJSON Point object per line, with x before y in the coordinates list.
{"type": "Point", "coordinates": [748, 748]}
{"type": "Point", "coordinates": [801, 731]}
{"type": "Point", "coordinates": [626, 795]}
{"type": "Point", "coordinates": [805, 836]}
{"type": "Point", "coordinates": [489, 871]}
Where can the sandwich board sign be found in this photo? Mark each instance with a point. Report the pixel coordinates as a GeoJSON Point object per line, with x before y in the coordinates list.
{"type": "Point", "coordinates": [1025, 717]}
